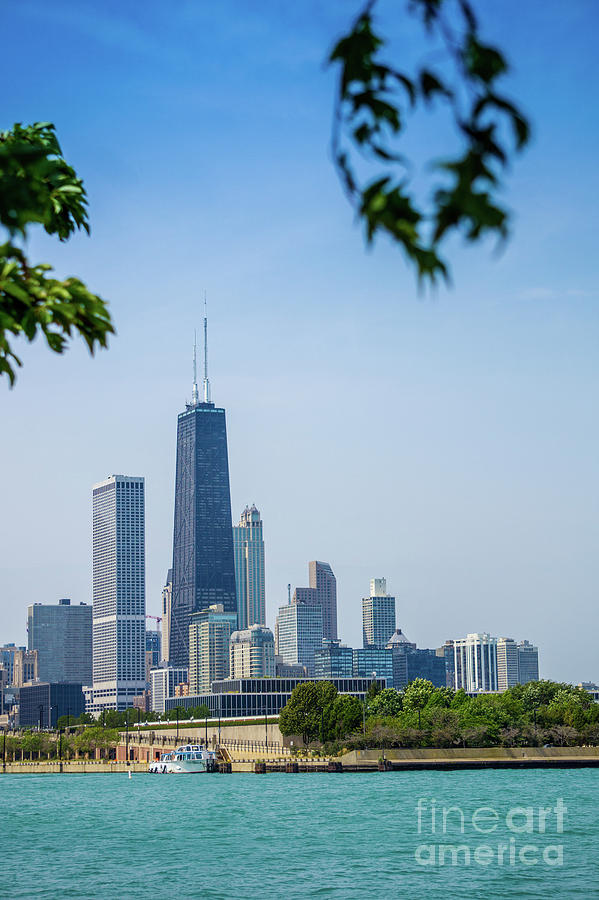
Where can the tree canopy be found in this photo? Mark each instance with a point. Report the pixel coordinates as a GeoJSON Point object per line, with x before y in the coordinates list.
{"type": "Point", "coordinates": [39, 187]}
{"type": "Point", "coordinates": [372, 105]}
{"type": "Point", "coordinates": [373, 102]}
{"type": "Point", "coordinates": [317, 711]}
{"type": "Point", "coordinates": [537, 713]}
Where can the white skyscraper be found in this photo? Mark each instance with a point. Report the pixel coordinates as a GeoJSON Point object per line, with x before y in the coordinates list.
{"type": "Point", "coordinates": [378, 615]}
{"type": "Point", "coordinates": [119, 593]}
{"type": "Point", "coordinates": [248, 549]}
{"type": "Point", "coordinates": [475, 663]}
{"type": "Point", "coordinates": [507, 663]}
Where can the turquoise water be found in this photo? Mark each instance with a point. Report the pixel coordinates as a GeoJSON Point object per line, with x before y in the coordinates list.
{"type": "Point", "coordinates": [290, 836]}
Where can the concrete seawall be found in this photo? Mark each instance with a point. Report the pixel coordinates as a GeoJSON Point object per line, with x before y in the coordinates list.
{"type": "Point", "coordinates": [356, 761]}
{"type": "Point", "coordinates": [475, 758]}
{"type": "Point", "coordinates": [72, 767]}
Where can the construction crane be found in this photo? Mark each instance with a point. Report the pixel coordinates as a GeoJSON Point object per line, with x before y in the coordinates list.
{"type": "Point", "coordinates": [158, 618]}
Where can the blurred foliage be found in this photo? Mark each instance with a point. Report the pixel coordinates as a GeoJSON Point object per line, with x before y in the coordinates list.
{"type": "Point", "coordinates": [38, 187]}
{"type": "Point", "coordinates": [373, 100]}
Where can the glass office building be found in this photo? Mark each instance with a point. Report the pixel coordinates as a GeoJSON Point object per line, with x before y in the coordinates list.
{"type": "Point", "coordinates": [374, 661]}
{"type": "Point", "coordinates": [298, 634]}
{"type": "Point", "coordinates": [41, 704]}
{"type": "Point", "coordinates": [260, 696]}
{"type": "Point", "coordinates": [333, 660]}
{"type": "Point", "coordinates": [203, 565]}
{"type": "Point", "coordinates": [62, 635]}
{"type": "Point", "coordinates": [210, 631]}
{"type": "Point", "coordinates": [248, 544]}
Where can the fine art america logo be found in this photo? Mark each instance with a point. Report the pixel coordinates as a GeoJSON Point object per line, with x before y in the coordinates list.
{"type": "Point", "coordinates": [520, 835]}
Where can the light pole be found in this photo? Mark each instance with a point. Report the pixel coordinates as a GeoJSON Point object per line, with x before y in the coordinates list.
{"type": "Point", "coordinates": [266, 728]}
{"type": "Point", "coordinates": [51, 710]}
{"type": "Point", "coordinates": [177, 710]}
{"type": "Point", "coordinates": [364, 705]}
{"type": "Point", "coordinates": [127, 738]}
{"type": "Point", "coordinates": [206, 725]}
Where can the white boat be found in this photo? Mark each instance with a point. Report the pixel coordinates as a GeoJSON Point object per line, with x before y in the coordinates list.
{"type": "Point", "coordinates": [191, 759]}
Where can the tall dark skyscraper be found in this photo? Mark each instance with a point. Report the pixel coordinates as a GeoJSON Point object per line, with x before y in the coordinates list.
{"type": "Point", "coordinates": [203, 564]}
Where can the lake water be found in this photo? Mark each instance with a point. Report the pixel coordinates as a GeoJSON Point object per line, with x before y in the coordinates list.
{"type": "Point", "coordinates": [302, 835]}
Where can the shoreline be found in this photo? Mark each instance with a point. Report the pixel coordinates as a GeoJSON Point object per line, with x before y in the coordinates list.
{"type": "Point", "coordinates": [392, 760]}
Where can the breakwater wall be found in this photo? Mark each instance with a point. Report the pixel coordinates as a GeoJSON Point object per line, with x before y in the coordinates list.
{"type": "Point", "coordinates": [263, 761]}
{"type": "Point", "coordinates": [71, 767]}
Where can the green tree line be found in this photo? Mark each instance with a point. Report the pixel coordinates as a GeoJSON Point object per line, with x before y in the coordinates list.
{"type": "Point", "coordinates": [535, 714]}
{"type": "Point", "coordinates": [43, 745]}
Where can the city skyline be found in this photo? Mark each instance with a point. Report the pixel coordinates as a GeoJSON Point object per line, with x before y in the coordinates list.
{"type": "Point", "coordinates": [461, 425]}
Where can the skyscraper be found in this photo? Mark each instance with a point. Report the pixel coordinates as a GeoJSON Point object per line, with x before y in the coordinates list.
{"type": "Point", "coordinates": [409, 662]}
{"type": "Point", "coordinates": [309, 596]}
{"type": "Point", "coordinates": [210, 631]}
{"type": "Point", "coordinates": [507, 664]}
{"type": "Point", "coordinates": [203, 566]}
{"type": "Point", "coordinates": [248, 546]}
{"type": "Point", "coordinates": [378, 615]}
{"type": "Point", "coordinates": [252, 653]}
{"type": "Point", "coordinates": [298, 634]}
{"type": "Point", "coordinates": [528, 662]}
{"type": "Point", "coordinates": [446, 653]}
{"type": "Point", "coordinates": [153, 654]}
{"type": "Point", "coordinates": [119, 593]}
{"type": "Point", "coordinates": [475, 663]}
{"type": "Point", "coordinates": [324, 582]}
{"type": "Point", "coordinates": [163, 682]}
{"type": "Point", "coordinates": [62, 635]}
{"type": "Point", "coordinates": [333, 660]}
{"type": "Point", "coordinates": [167, 599]}
{"type": "Point", "coordinates": [7, 660]}
{"type": "Point", "coordinates": [25, 667]}
{"type": "Point", "coordinates": [373, 662]}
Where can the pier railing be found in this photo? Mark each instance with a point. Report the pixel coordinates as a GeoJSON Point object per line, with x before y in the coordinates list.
{"type": "Point", "coordinates": [150, 738]}
{"type": "Point", "coordinates": [271, 747]}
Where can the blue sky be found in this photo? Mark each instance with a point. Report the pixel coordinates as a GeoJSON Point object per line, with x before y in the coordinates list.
{"type": "Point", "coordinates": [446, 441]}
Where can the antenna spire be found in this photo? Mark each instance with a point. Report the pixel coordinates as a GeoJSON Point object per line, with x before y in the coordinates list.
{"type": "Point", "coordinates": [206, 382]}
{"type": "Point", "coordinates": [195, 397]}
